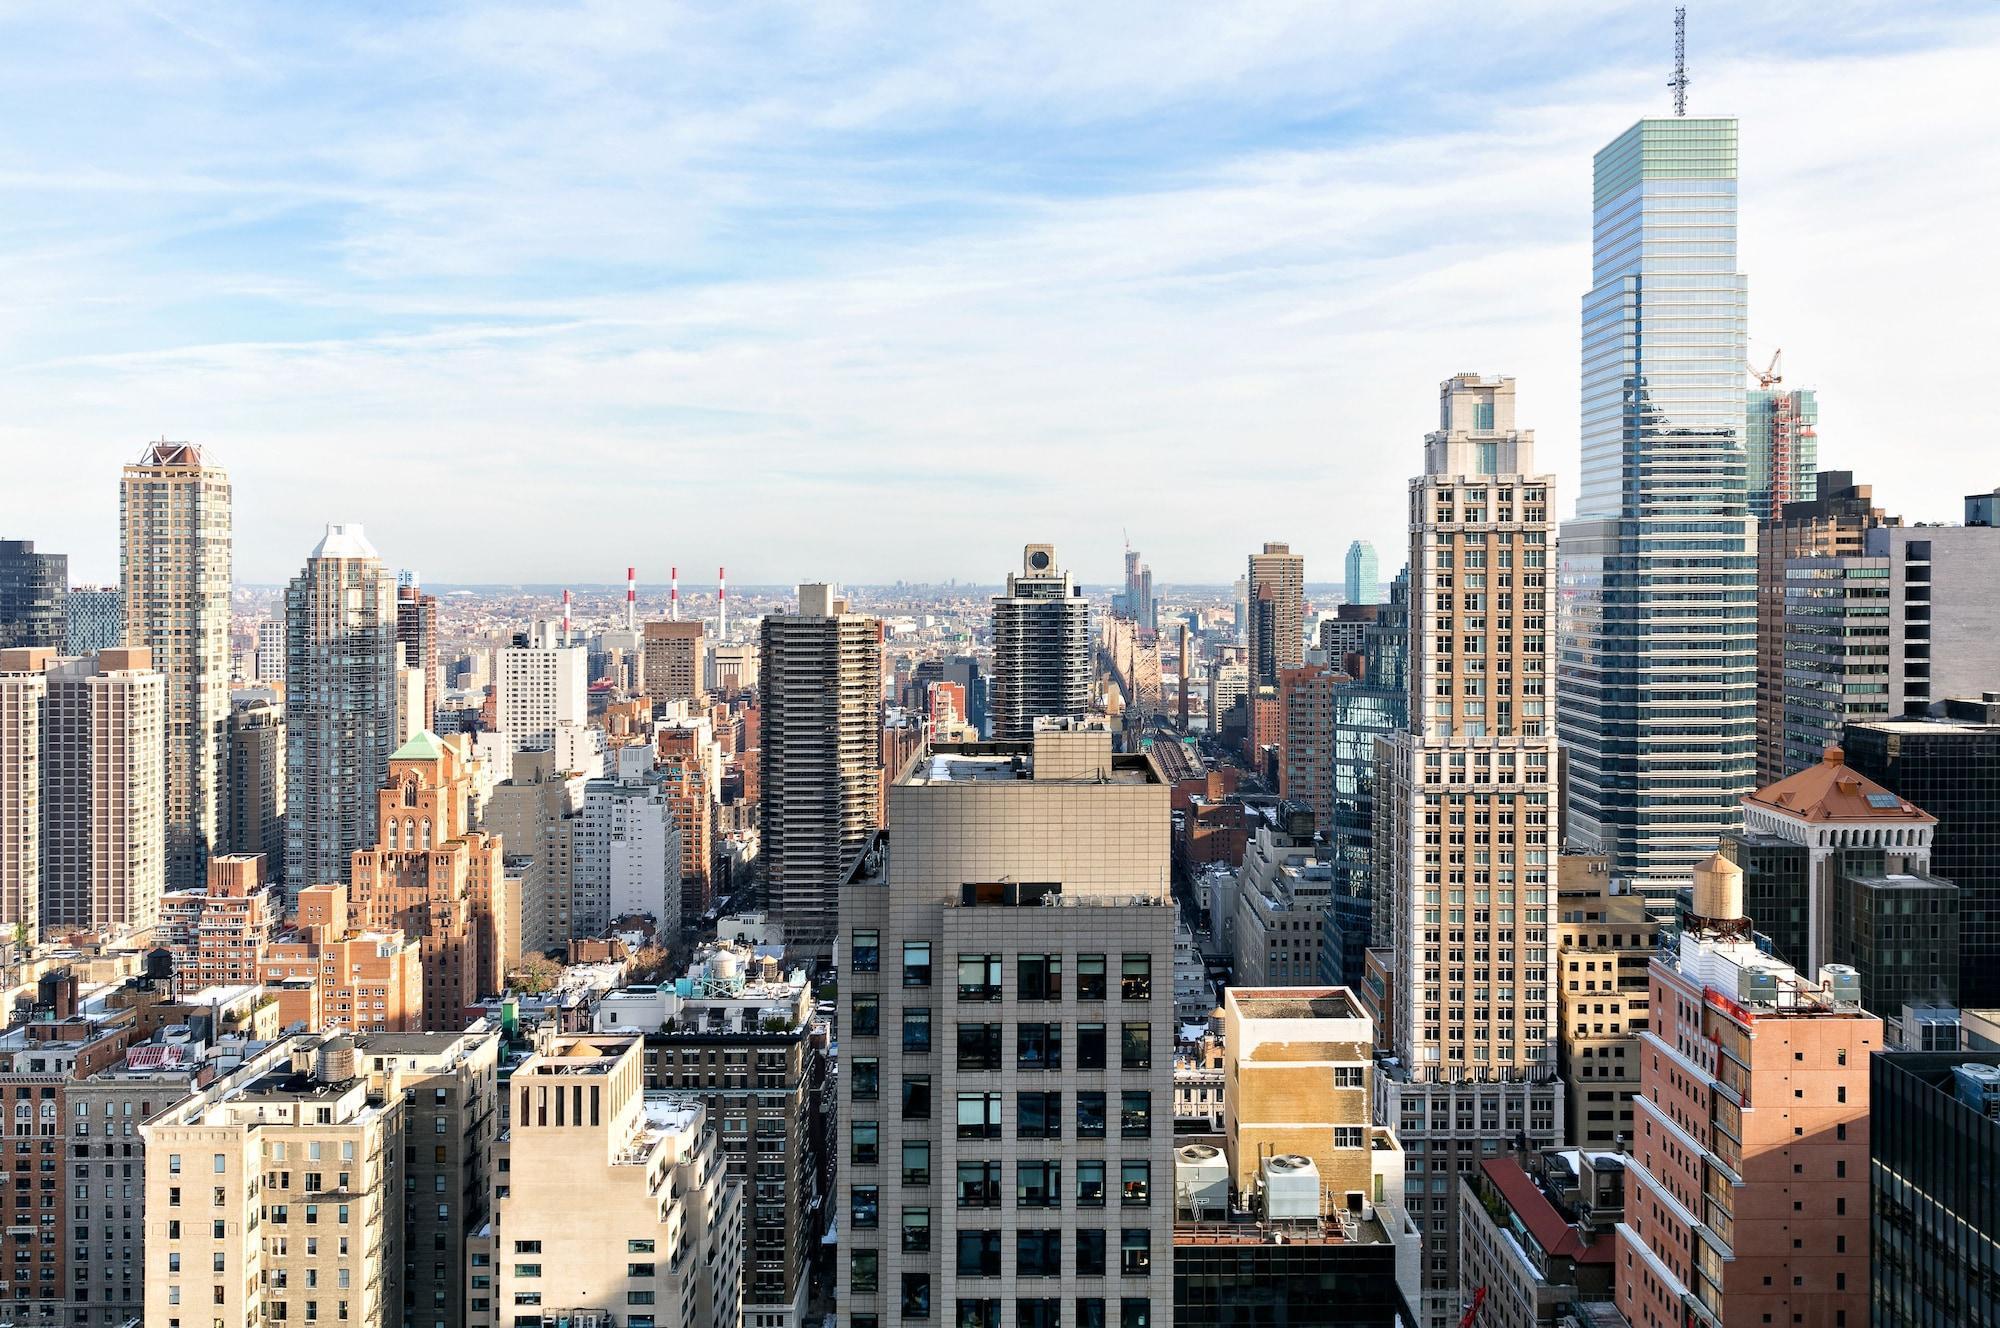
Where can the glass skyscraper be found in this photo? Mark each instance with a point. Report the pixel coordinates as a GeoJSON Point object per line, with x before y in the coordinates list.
{"type": "Point", "coordinates": [1657, 663]}
{"type": "Point", "coordinates": [1781, 449]}
{"type": "Point", "coordinates": [1364, 574]}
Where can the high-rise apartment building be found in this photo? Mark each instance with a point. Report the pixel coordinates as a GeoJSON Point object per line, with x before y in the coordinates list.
{"type": "Point", "coordinates": [1781, 448]}
{"type": "Point", "coordinates": [340, 709]}
{"type": "Point", "coordinates": [1374, 705]}
{"type": "Point", "coordinates": [433, 877]}
{"type": "Point", "coordinates": [628, 858]}
{"type": "Point", "coordinates": [1606, 938]}
{"type": "Point", "coordinates": [618, 1205]}
{"type": "Point", "coordinates": [332, 972]}
{"type": "Point", "coordinates": [1747, 1186]}
{"type": "Point", "coordinates": [417, 633]}
{"type": "Point", "coordinates": [174, 553]}
{"type": "Point", "coordinates": [103, 836]}
{"type": "Point", "coordinates": [1950, 767]}
{"type": "Point", "coordinates": [674, 661]}
{"type": "Point", "coordinates": [93, 619]}
{"type": "Point", "coordinates": [1277, 604]}
{"type": "Point", "coordinates": [1282, 898]}
{"type": "Point", "coordinates": [1364, 575]}
{"type": "Point", "coordinates": [253, 807]}
{"type": "Point", "coordinates": [1041, 647]}
{"type": "Point", "coordinates": [449, 1083]}
{"type": "Point", "coordinates": [271, 649]}
{"type": "Point", "coordinates": [1941, 642]}
{"type": "Point", "coordinates": [1833, 524]}
{"type": "Point", "coordinates": [820, 757]}
{"type": "Point", "coordinates": [1466, 839]}
{"type": "Point", "coordinates": [685, 781]}
{"type": "Point", "coordinates": [32, 586]}
{"type": "Point", "coordinates": [1306, 703]}
{"type": "Point", "coordinates": [278, 1198]}
{"type": "Point", "coordinates": [539, 812]}
{"type": "Point", "coordinates": [219, 934]}
{"type": "Point", "coordinates": [1007, 956]}
{"type": "Point", "coordinates": [1658, 650]}
{"type": "Point", "coordinates": [24, 690]}
{"type": "Point", "coordinates": [543, 685]}
{"type": "Point", "coordinates": [1136, 601]}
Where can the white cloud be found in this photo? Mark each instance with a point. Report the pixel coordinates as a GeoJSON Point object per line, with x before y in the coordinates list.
{"type": "Point", "coordinates": [815, 312]}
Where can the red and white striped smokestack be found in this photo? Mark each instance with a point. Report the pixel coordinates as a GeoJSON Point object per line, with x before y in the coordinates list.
{"type": "Point", "coordinates": [565, 635]}
{"type": "Point", "coordinates": [721, 604]}
{"type": "Point", "coordinates": [631, 597]}
{"type": "Point", "coordinates": [674, 596]}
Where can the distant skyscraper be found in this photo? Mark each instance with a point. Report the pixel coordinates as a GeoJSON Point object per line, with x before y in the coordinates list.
{"type": "Point", "coordinates": [542, 686]}
{"type": "Point", "coordinates": [1277, 591]}
{"type": "Point", "coordinates": [31, 596]}
{"type": "Point", "coordinates": [820, 756]}
{"type": "Point", "coordinates": [93, 620]}
{"type": "Point", "coordinates": [675, 657]}
{"type": "Point", "coordinates": [175, 556]}
{"type": "Point", "coordinates": [340, 705]}
{"type": "Point", "coordinates": [271, 648]}
{"type": "Point", "coordinates": [1041, 647]}
{"type": "Point", "coordinates": [1478, 757]}
{"type": "Point", "coordinates": [417, 633]}
{"type": "Point", "coordinates": [1375, 705]}
{"type": "Point", "coordinates": [1364, 577]}
{"type": "Point", "coordinates": [103, 793]}
{"type": "Point", "coordinates": [254, 804]}
{"type": "Point", "coordinates": [1781, 448]}
{"type": "Point", "coordinates": [1136, 602]}
{"type": "Point", "coordinates": [1658, 674]}
{"type": "Point", "coordinates": [24, 691]}
{"type": "Point", "coordinates": [1833, 525]}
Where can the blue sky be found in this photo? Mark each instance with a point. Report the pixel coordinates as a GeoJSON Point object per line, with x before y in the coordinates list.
{"type": "Point", "coordinates": [866, 292]}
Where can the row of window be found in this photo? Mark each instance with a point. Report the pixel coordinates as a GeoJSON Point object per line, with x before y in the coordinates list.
{"type": "Point", "coordinates": [1039, 976]}
{"type": "Point", "coordinates": [1037, 1045]}
{"type": "Point", "coordinates": [1037, 1253]}
{"type": "Point", "coordinates": [1036, 1184]}
{"type": "Point", "coordinates": [1037, 1115]}
{"type": "Point", "coordinates": [1133, 1311]}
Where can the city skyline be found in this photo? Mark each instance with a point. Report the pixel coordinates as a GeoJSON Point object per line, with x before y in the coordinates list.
{"type": "Point", "coordinates": [982, 292]}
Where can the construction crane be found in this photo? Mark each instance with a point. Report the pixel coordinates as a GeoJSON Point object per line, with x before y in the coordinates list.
{"type": "Point", "coordinates": [1472, 1310]}
{"type": "Point", "coordinates": [1771, 374]}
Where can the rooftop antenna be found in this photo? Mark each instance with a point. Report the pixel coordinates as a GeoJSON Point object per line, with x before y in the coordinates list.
{"type": "Point", "coordinates": [1679, 82]}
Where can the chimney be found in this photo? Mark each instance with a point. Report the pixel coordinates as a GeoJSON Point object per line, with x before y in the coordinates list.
{"type": "Point", "coordinates": [631, 597]}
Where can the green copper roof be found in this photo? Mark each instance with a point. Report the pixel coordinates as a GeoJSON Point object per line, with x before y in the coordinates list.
{"type": "Point", "coordinates": [422, 747]}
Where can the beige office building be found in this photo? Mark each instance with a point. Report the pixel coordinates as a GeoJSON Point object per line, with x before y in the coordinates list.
{"type": "Point", "coordinates": [103, 793]}
{"type": "Point", "coordinates": [175, 558]}
{"type": "Point", "coordinates": [1469, 844]}
{"type": "Point", "coordinates": [820, 757]}
{"type": "Point", "coordinates": [674, 661]}
{"type": "Point", "coordinates": [618, 1209]}
{"type": "Point", "coordinates": [1007, 1069]}
{"type": "Point", "coordinates": [1606, 939]}
{"type": "Point", "coordinates": [278, 1199]}
{"type": "Point", "coordinates": [24, 689]}
{"type": "Point", "coordinates": [1275, 633]}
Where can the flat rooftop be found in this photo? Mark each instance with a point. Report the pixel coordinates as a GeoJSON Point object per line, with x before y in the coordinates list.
{"type": "Point", "coordinates": [1003, 762]}
{"type": "Point", "coordinates": [1294, 1002]}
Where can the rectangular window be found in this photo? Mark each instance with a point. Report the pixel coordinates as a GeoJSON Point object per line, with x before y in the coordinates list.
{"type": "Point", "coordinates": [916, 1097]}
{"type": "Point", "coordinates": [527, 1270]}
{"type": "Point", "coordinates": [1038, 1185]}
{"type": "Point", "coordinates": [866, 1076]}
{"type": "Point", "coordinates": [865, 1207]}
{"type": "Point", "coordinates": [979, 977]}
{"type": "Point", "coordinates": [916, 1230]}
{"type": "Point", "coordinates": [979, 1046]}
{"type": "Point", "coordinates": [916, 1295]}
{"type": "Point", "coordinates": [1134, 1312]}
{"type": "Point", "coordinates": [867, 951]}
{"type": "Point", "coordinates": [866, 1143]}
{"type": "Point", "coordinates": [1135, 1252]}
{"type": "Point", "coordinates": [1135, 1046]}
{"type": "Point", "coordinates": [979, 1115]}
{"type": "Point", "coordinates": [1038, 1116]}
{"type": "Point", "coordinates": [1040, 977]}
{"type": "Point", "coordinates": [979, 1185]}
{"type": "Point", "coordinates": [917, 1030]}
{"type": "Point", "coordinates": [1090, 977]}
{"type": "Point", "coordinates": [1089, 1312]}
{"type": "Point", "coordinates": [1136, 977]}
{"type": "Point", "coordinates": [1136, 1177]}
{"type": "Point", "coordinates": [1090, 1115]}
{"type": "Point", "coordinates": [1090, 1046]}
{"type": "Point", "coordinates": [1348, 1136]}
{"type": "Point", "coordinates": [1037, 1313]}
{"type": "Point", "coordinates": [1090, 1252]}
{"type": "Point", "coordinates": [1135, 1115]}
{"type": "Point", "coordinates": [1347, 1076]}
{"type": "Point", "coordinates": [867, 1014]}
{"type": "Point", "coordinates": [978, 1314]}
{"type": "Point", "coordinates": [1038, 1252]}
{"type": "Point", "coordinates": [917, 1162]}
{"type": "Point", "coordinates": [1038, 1047]}
{"type": "Point", "coordinates": [978, 1253]}
{"type": "Point", "coordinates": [639, 1270]}
{"type": "Point", "coordinates": [864, 1272]}
{"type": "Point", "coordinates": [638, 1247]}
{"type": "Point", "coordinates": [1090, 1183]}
{"type": "Point", "coordinates": [916, 963]}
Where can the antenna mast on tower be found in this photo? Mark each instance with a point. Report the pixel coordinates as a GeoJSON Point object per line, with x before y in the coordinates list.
{"type": "Point", "coordinates": [1679, 82]}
